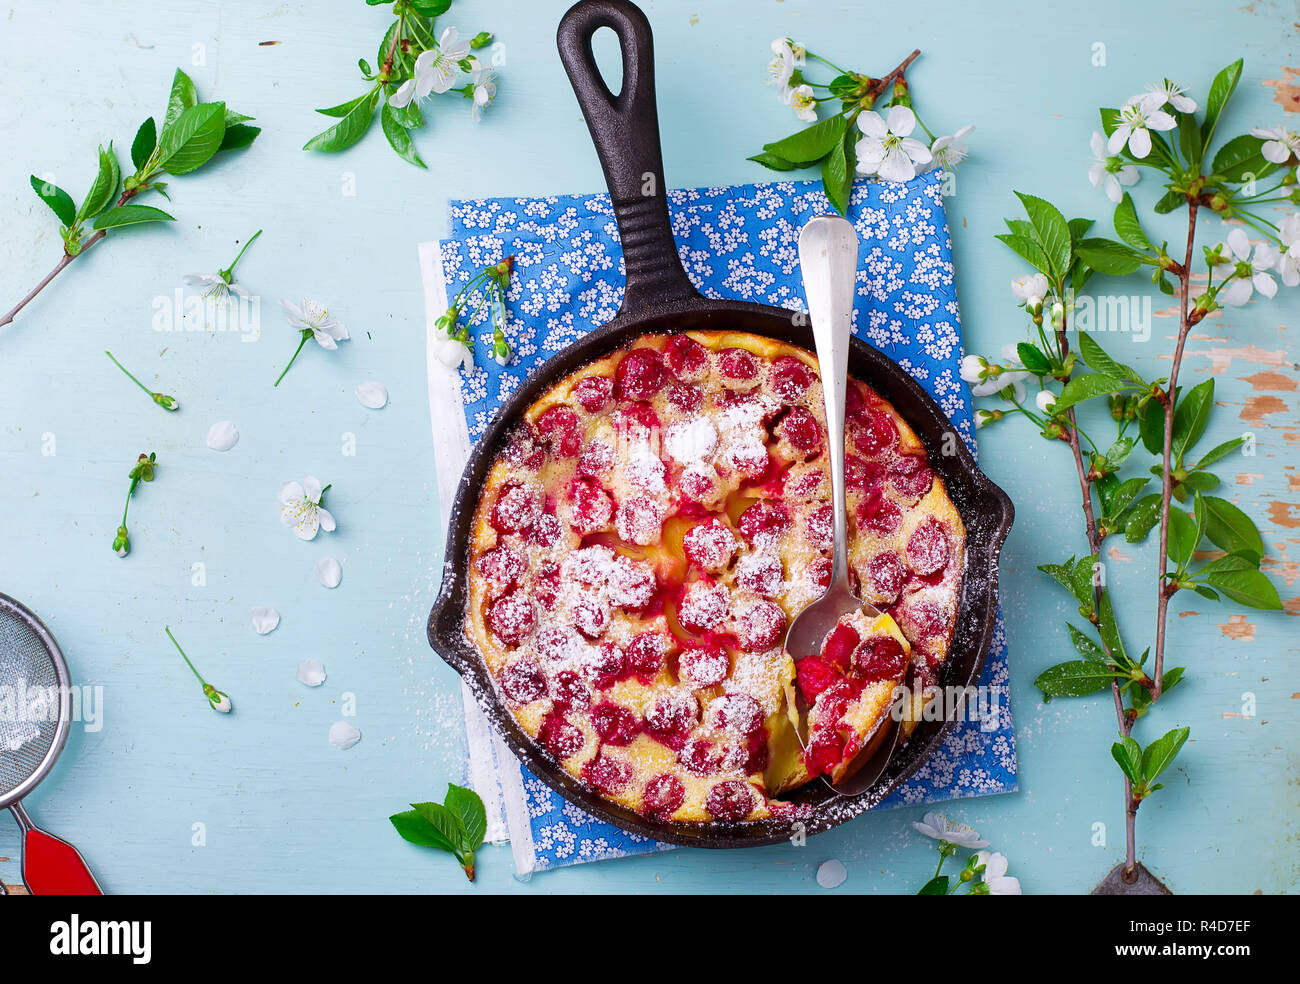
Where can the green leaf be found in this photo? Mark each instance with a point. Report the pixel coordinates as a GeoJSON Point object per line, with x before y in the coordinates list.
{"type": "Point", "coordinates": [234, 119]}
{"type": "Point", "coordinates": [1088, 649]}
{"type": "Point", "coordinates": [1220, 451]}
{"type": "Point", "coordinates": [342, 109]}
{"type": "Point", "coordinates": [183, 96]}
{"type": "Point", "coordinates": [773, 162]}
{"type": "Point", "coordinates": [1144, 514]}
{"type": "Point", "coordinates": [842, 85]}
{"type": "Point", "coordinates": [1172, 677]}
{"type": "Point", "coordinates": [415, 828]}
{"type": "Point", "coordinates": [837, 173]}
{"type": "Point", "coordinates": [1128, 226]}
{"type": "Point", "coordinates": [1096, 357]}
{"type": "Point", "coordinates": [1247, 587]}
{"type": "Point", "coordinates": [431, 8]}
{"type": "Point", "coordinates": [409, 115]}
{"type": "Point", "coordinates": [350, 128]}
{"type": "Point", "coordinates": [1032, 358]}
{"type": "Point", "coordinates": [1108, 629]}
{"type": "Point", "coordinates": [1112, 258]}
{"type": "Point", "coordinates": [124, 215]}
{"type": "Point", "coordinates": [1124, 494]}
{"type": "Point", "coordinates": [1128, 753]}
{"type": "Point", "coordinates": [1230, 528]}
{"type": "Point", "coordinates": [1027, 248]}
{"type": "Point", "coordinates": [1118, 452]}
{"type": "Point", "coordinates": [444, 821]}
{"type": "Point", "coordinates": [812, 143]}
{"type": "Point", "coordinates": [238, 136]}
{"type": "Point", "coordinates": [465, 803]}
{"type": "Point", "coordinates": [1221, 90]}
{"type": "Point", "coordinates": [398, 138]}
{"type": "Point", "coordinates": [1077, 678]}
{"type": "Point", "coordinates": [1239, 560]}
{"type": "Point", "coordinates": [1086, 387]}
{"type": "Point", "coordinates": [938, 885]}
{"type": "Point", "coordinates": [1081, 580]}
{"type": "Point", "coordinates": [1191, 414]}
{"type": "Point", "coordinates": [1182, 537]}
{"type": "Point", "coordinates": [59, 201]}
{"type": "Point", "coordinates": [1052, 230]}
{"type": "Point", "coordinates": [1169, 201]}
{"type": "Point", "coordinates": [1062, 574]}
{"type": "Point", "coordinates": [146, 139]}
{"type": "Point", "coordinates": [1201, 481]}
{"type": "Point", "coordinates": [1239, 157]}
{"type": "Point", "coordinates": [190, 142]}
{"type": "Point", "coordinates": [104, 187]}
{"type": "Point", "coordinates": [1160, 754]}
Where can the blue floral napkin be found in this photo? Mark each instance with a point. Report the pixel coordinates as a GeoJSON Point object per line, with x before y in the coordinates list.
{"type": "Point", "coordinates": [735, 242]}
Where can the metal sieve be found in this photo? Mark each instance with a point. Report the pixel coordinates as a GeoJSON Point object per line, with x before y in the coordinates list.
{"type": "Point", "coordinates": [35, 701]}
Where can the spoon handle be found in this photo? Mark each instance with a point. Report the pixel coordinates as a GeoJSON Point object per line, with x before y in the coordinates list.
{"type": "Point", "coordinates": [828, 258]}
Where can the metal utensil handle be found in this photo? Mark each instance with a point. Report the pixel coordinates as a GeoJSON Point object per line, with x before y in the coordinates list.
{"type": "Point", "coordinates": [625, 129]}
{"type": "Point", "coordinates": [52, 866]}
{"type": "Point", "coordinates": [828, 258]}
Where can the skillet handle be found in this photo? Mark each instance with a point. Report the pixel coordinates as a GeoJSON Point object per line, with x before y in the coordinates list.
{"type": "Point", "coordinates": [625, 129]}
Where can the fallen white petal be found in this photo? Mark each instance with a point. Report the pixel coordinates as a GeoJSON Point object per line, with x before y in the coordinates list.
{"type": "Point", "coordinates": [329, 572]}
{"type": "Point", "coordinates": [831, 874]}
{"type": "Point", "coordinates": [343, 735]}
{"type": "Point", "coordinates": [265, 619]}
{"type": "Point", "coordinates": [372, 395]}
{"type": "Point", "coordinates": [222, 436]}
{"type": "Point", "coordinates": [311, 672]}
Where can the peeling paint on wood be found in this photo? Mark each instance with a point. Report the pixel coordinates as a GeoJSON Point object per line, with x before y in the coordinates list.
{"type": "Point", "coordinates": [1238, 628]}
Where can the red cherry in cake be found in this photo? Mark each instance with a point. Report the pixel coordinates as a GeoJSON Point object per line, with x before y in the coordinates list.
{"type": "Point", "coordinates": [703, 666]}
{"type": "Point", "coordinates": [749, 459]}
{"type": "Point", "coordinates": [855, 407]}
{"type": "Point", "coordinates": [766, 519]}
{"type": "Point", "coordinates": [593, 392]}
{"type": "Point", "coordinates": [604, 665]}
{"type": "Point", "coordinates": [703, 607]}
{"type": "Point", "coordinates": [702, 757]}
{"type": "Point", "coordinates": [732, 799]}
{"type": "Point", "coordinates": [878, 515]}
{"type": "Point", "coordinates": [570, 690]}
{"type": "Point", "coordinates": [517, 508]}
{"type": "Point", "coordinates": [814, 675]}
{"type": "Point", "coordinates": [761, 574]}
{"type": "Point", "coordinates": [561, 738]}
{"type": "Point", "coordinates": [710, 545]}
{"type": "Point", "coordinates": [877, 434]}
{"type": "Point", "coordinates": [825, 751]}
{"type": "Point", "coordinates": [511, 618]}
{"type": "Point", "coordinates": [596, 460]}
{"type": "Point", "coordinates": [640, 375]}
{"type": "Point", "coordinates": [760, 626]}
{"type": "Point", "coordinates": [860, 474]}
{"type": "Point", "coordinates": [672, 717]}
{"type": "Point", "coordinates": [552, 644]}
{"type": "Point", "coordinates": [740, 714]}
{"type": "Point", "coordinates": [590, 616]}
{"type": "Point", "coordinates": [737, 364]}
{"type": "Point", "coordinates": [880, 658]}
{"type": "Point", "coordinates": [664, 795]}
{"type": "Point", "coordinates": [838, 648]}
{"type": "Point", "coordinates": [802, 430]}
{"type": "Point", "coordinates": [684, 397]}
{"type": "Point", "coordinates": [561, 430]}
{"type": "Point", "coordinates": [524, 451]}
{"type": "Point", "coordinates": [502, 569]}
{"type": "Point", "coordinates": [698, 484]}
{"type": "Point", "coordinates": [928, 546]}
{"type": "Point", "coordinates": [640, 519]}
{"type": "Point", "coordinates": [911, 476]}
{"type": "Point", "coordinates": [546, 582]}
{"type": "Point", "coordinates": [589, 504]}
{"type": "Point", "coordinates": [820, 527]}
{"type": "Point", "coordinates": [606, 775]}
{"type": "Point", "coordinates": [631, 585]}
{"type": "Point", "coordinates": [805, 486]}
{"type": "Point", "coordinates": [645, 653]}
{"type": "Point", "coordinates": [919, 618]}
{"type": "Point", "coordinates": [616, 724]}
{"type": "Point", "coordinates": [523, 681]}
{"type": "Point", "coordinates": [885, 575]}
{"type": "Point", "coordinates": [545, 532]}
{"type": "Point", "coordinates": [686, 358]}
{"type": "Point", "coordinates": [789, 378]}
{"type": "Point", "coordinates": [819, 573]}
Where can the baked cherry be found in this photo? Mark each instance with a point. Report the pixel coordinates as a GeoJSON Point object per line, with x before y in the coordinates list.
{"type": "Point", "coordinates": [740, 714]}
{"type": "Point", "coordinates": [789, 378]}
{"type": "Point", "coordinates": [703, 666]}
{"type": "Point", "coordinates": [603, 666]}
{"type": "Point", "coordinates": [524, 450]}
{"type": "Point", "coordinates": [710, 545]}
{"type": "Point", "coordinates": [855, 406]}
{"type": "Point", "coordinates": [607, 775]}
{"type": "Point", "coordinates": [684, 397]}
{"type": "Point", "coordinates": [819, 573]}
{"type": "Point", "coordinates": [562, 738]}
{"type": "Point", "coordinates": [596, 460]}
{"type": "Point", "coordinates": [802, 430]}
{"type": "Point", "coordinates": [880, 658]}
{"type": "Point", "coordinates": [590, 616]}
{"type": "Point", "coordinates": [761, 574]}
{"type": "Point", "coordinates": [593, 392]}
{"type": "Point", "coordinates": [737, 364]}
{"type": "Point", "coordinates": [878, 515]}
{"type": "Point", "coordinates": [664, 795]}
{"type": "Point", "coordinates": [546, 582]}
{"type": "Point", "coordinates": [928, 546]}
{"type": "Point", "coordinates": [920, 618]}
{"type": "Point", "coordinates": [821, 527]}
{"type": "Point", "coordinates": [702, 757]}
{"type": "Point", "coordinates": [523, 681]}
{"type": "Point", "coordinates": [517, 508]}
{"type": "Point", "coordinates": [878, 433]}
{"type": "Point", "coordinates": [805, 485]}
{"type": "Point", "coordinates": [645, 653]}
{"type": "Point", "coordinates": [732, 799]}
{"type": "Point", "coordinates": [839, 645]}
{"type": "Point", "coordinates": [545, 532]}
{"type": "Point", "coordinates": [885, 575]}
{"type": "Point", "coordinates": [825, 751]}
{"type": "Point", "coordinates": [631, 584]}
{"type": "Point", "coordinates": [686, 358]}
{"type": "Point", "coordinates": [511, 618]}
{"type": "Point", "coordinates": [640, 375]}
{"type": "Point", "coordinates": [639, 520]}
{"type": "Point", "coordinates": [760, 626]}
{"type": "Point", "coordinates": [561, 430]}
{"type": "Point", "coordinates": [749, 459]}
{"type": "Point", "coordinates": [570, 690]}
{"type": "Point", "coordinates": [502, 569]}
{"type": "Point", "coordinates": [766, 519]}
{"type": "Point", "coordinates": [911, 476]}
{"type": "Point", "coordinates": [590, 506]}
{"type": "Point", "coordinates": [698, 483]}
{"type": "Point", "coordinates": [552, 644]}
{"type": "Point", "coordinates": [814, 675]}
{"type": "Point", "coordinates": [616, 724]}
{"type": "Point", "coordinates": [672, 717]}
{"type": "Point", "coordinates": [860, 474]}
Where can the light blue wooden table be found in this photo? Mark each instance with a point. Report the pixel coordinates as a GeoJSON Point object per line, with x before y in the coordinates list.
{"type": "Point", "coordinates": [283, 811]}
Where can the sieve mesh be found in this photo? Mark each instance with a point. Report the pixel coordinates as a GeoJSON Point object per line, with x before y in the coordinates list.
{"type": "Point", "coordinates": [29, 702]}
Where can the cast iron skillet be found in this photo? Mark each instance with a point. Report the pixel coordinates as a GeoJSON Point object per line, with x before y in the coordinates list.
{"type": "Point", "coordinates": [660, 298]}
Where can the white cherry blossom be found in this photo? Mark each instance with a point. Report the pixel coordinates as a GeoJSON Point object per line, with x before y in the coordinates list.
{"type": "Point", "coordinates": [1239, 290]}
{"type": "Point", "coordinates": [1108, 171]}
{"type": "Point", "coordinates": [1137, 118]}
{"type": "Point", "coordinates": [1171, 94]}
{"type": "Point", "coordinates": [939, 827]}
{"type": "Point", "coordinates": [995, 874]}
{"type": "Point", "coordinates": [300, 507]}
{"type": "Point", "coordinates": [950, 151]}
{"type": "Point", "coordinates": [886, 149]}
{"type": "Point", "coordinates": [1030, 286]}
{"type": "Point", "coordinates": [804, 103]}
{"type": "Point", "coordinates": [1279, 143]}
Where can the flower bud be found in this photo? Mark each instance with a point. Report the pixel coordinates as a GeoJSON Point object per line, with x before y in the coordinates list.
{"type": "Point", "coordinates": [121, 542]}
{"type": "Point", "coordinates": [1034, 304]}
{"type": "Point", "coordinates": [220, 702]}
{"type": "Point", "coordinates": [1045, 401]}
{"type": "Point", "coordinates": [1058, 314]}
{"type": "Point", "coordinates": [481, 40]}
{"type": "Point", "coordinates": [500, 348]}
{"type": "Point", "coordinates": [166, 402]}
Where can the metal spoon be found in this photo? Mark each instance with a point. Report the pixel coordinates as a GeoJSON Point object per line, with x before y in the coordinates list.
{"type": "Point", "coordinates": [828, 259]}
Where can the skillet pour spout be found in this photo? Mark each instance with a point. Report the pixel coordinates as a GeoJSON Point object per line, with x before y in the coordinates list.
{"type": "Point", "coordinates": [659, 297]}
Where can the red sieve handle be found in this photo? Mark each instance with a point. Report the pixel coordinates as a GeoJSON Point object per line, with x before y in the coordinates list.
{"type": "Point", "coordinates": [54, 867]}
